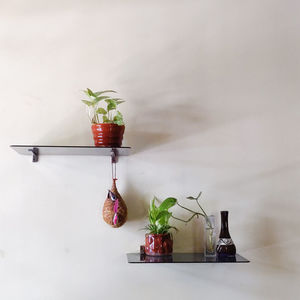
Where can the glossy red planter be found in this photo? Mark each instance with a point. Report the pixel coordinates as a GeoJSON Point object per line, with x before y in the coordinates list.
{"type": "Point", "coordinates": [158, 244]}
{"type": "Point", "coordinates": [108, 135]}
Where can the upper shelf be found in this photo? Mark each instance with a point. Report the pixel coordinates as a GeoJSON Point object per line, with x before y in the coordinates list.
{"type": "Point", "coordinates": [37, 150]}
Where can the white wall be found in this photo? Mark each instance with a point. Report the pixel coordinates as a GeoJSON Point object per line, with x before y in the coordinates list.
{"type": "Point", "coordinates": [212, 90]}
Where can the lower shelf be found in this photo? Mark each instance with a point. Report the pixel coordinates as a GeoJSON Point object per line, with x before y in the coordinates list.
{"type": "Point", "coordinates": [183, 258]}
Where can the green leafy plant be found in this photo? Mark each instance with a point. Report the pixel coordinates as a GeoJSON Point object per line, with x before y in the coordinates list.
{"type": "Point", "coordinates": [159, 216]}
{"type": "Point", "coordinates": [107, 114]}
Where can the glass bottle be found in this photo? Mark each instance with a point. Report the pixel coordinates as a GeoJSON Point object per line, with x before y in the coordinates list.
{"type": "Point", "coordinates": [210, 236]}
{"type": "Point", "coordinates": [225, 246]}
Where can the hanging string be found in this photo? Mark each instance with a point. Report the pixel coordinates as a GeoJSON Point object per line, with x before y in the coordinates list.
{"type": "Point", "coordinates": [114, 171]}
{"type": "Point", "coordinates": [115, 218]}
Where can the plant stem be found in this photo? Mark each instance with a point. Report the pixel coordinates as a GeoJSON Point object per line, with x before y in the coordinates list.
{"type": "Point", "coordinates": [185, 208]}
{"type": "Point", "coordinates": [188, 220]}
{"type": "Point", "coordinates": [196, 213]}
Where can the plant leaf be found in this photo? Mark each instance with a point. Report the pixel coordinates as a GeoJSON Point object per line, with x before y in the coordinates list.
{"type": "Point", "coordinates": [102, 92]}
{"type": "Point", "coordinates": [111, 106]}
{"type": "Point", "coordinates": [97, 99]}
{"type": "Point", "coordinates": [153, 206]}
{"type": "Point", "coordinates": [118, 100]}
{"type": "Point", "coordinates": [118, 119]}
{"type": "Point", "coordinates": [101, 110]}
{"type": "Point", "coordinates": [110, 100]}
{"type": "Point", "coordinates": [90, 92]}
{"type": "Point", "coordinates": [105, 119]}
{"type": "Point", "coordinates": [163, 217]}
{"type": "Point", "coordinates": [88, 103]}
{"type": "Point", "coordinates": [167, 203]}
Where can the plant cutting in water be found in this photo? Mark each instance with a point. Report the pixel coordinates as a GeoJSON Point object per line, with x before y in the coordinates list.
{"type": "Point", "coordinates": [106, 114]}
{"type": "Point", "coordinates": [194, 213]}
{"type": "Point", "coordinates": [159, 216]}
{"type": "Point", "coordinates": [202, 213]}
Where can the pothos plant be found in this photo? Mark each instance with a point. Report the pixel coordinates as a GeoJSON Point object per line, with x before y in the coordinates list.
{"type": "Point", "coordinates": [108, 113]}
{"type": "Point", "coordinates": [159, 216]}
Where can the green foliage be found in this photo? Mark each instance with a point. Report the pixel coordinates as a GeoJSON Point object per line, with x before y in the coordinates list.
{"type": "Point", "coordinates": [159, 216]}
{"type": "Point", "coordinates": [99, 114]}
{"type": "Point", "coordinates": [101, 111]}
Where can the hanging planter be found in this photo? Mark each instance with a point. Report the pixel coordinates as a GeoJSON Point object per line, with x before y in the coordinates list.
{"type": "Point", "coordinates": [114, 209]}
{"type": "Point", "coordinates": [107, 122]}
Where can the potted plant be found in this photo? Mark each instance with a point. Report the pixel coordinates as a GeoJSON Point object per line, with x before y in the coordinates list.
{"type": "Point", "coordinates": [107, 122]}
{"type": "Point", "coordinates": [159, 242]}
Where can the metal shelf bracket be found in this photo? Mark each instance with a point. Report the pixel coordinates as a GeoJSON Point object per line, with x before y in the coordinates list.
{"type": "Point", "coordinates": [35, 154]}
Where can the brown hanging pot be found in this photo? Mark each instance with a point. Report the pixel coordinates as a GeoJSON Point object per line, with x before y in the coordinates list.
{"type": "Point", "coordinates": [114, 208]}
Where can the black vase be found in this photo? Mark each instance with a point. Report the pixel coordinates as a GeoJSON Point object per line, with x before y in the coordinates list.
{"type": "Point", "coordinates": [225, 246]}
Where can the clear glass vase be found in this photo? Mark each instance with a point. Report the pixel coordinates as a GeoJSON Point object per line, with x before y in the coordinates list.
{"type": "Point", "coordinates": [210, 236]}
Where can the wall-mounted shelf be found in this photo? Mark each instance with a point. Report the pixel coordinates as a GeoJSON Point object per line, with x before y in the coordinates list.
{"type": "Point", "coordinates": [37, 150]}
{"type": "Point", "coordinates": [183, 258]}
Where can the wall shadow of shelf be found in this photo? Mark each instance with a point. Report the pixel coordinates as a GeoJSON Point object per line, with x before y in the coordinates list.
{"type": "Point", "coordinates": [137, 258]}
{"type": "Point", "coordinates": [37, 150]}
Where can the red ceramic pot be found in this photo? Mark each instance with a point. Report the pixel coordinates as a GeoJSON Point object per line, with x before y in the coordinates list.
{"type": "Point", "coordinates": [158, 244]}
{"type": "Point", "coordinates": [108, 134]}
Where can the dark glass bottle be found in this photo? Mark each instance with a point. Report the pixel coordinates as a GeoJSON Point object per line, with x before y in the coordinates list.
{"type": "Point", "coordinates": [225, 246]}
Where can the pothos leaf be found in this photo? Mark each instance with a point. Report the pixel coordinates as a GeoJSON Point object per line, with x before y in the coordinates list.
{"type": "Point", "coordinates": [118, 119]}
{"type": "Point", "coordinates": [102, 92]}
{"type": "Point", "coordinates": [88, 103]}
{"type": "Point", "coordinates": [117, 100]}
{"type": "Point", "coordinates": [101, 110]}
{"type": "Point", "coordinates": [105, 119]}
{"type": "Point", "coordinates": [90, 92]}
{"type": "Point", "coordinates": [97, 99]}
{"type": "Point", "coordinates": [111, 106]}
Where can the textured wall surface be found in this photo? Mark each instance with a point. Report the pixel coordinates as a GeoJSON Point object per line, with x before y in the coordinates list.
{"type": "Point", "coordinates": [212, 90]}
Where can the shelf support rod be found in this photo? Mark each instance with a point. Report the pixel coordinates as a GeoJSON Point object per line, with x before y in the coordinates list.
{"type": "Point", "coordinates": [35, 154]}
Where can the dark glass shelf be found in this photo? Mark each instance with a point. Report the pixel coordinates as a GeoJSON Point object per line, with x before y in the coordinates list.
{"type": "Point", "coordinates": [183, 258]}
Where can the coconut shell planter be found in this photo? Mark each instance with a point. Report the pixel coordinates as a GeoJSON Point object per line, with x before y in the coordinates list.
{"type": "Point", "coordinates": [114, 208]}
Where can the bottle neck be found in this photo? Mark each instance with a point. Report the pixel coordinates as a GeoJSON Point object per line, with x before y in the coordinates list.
{"type": "Point", "coordinates": [224, 233]}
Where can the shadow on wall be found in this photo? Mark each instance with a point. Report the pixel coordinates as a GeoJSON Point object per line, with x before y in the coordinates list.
{"type": "Point", "coordinates": [189, 238]}
{"type": "Point", "coordinates": [162, 125]}
{"type": "Point", "coordinates": [137, 208]}
{"type": "Point", "coordinates": [66, 132]}
{"type": "Point", "coordinates": [156, 127]}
